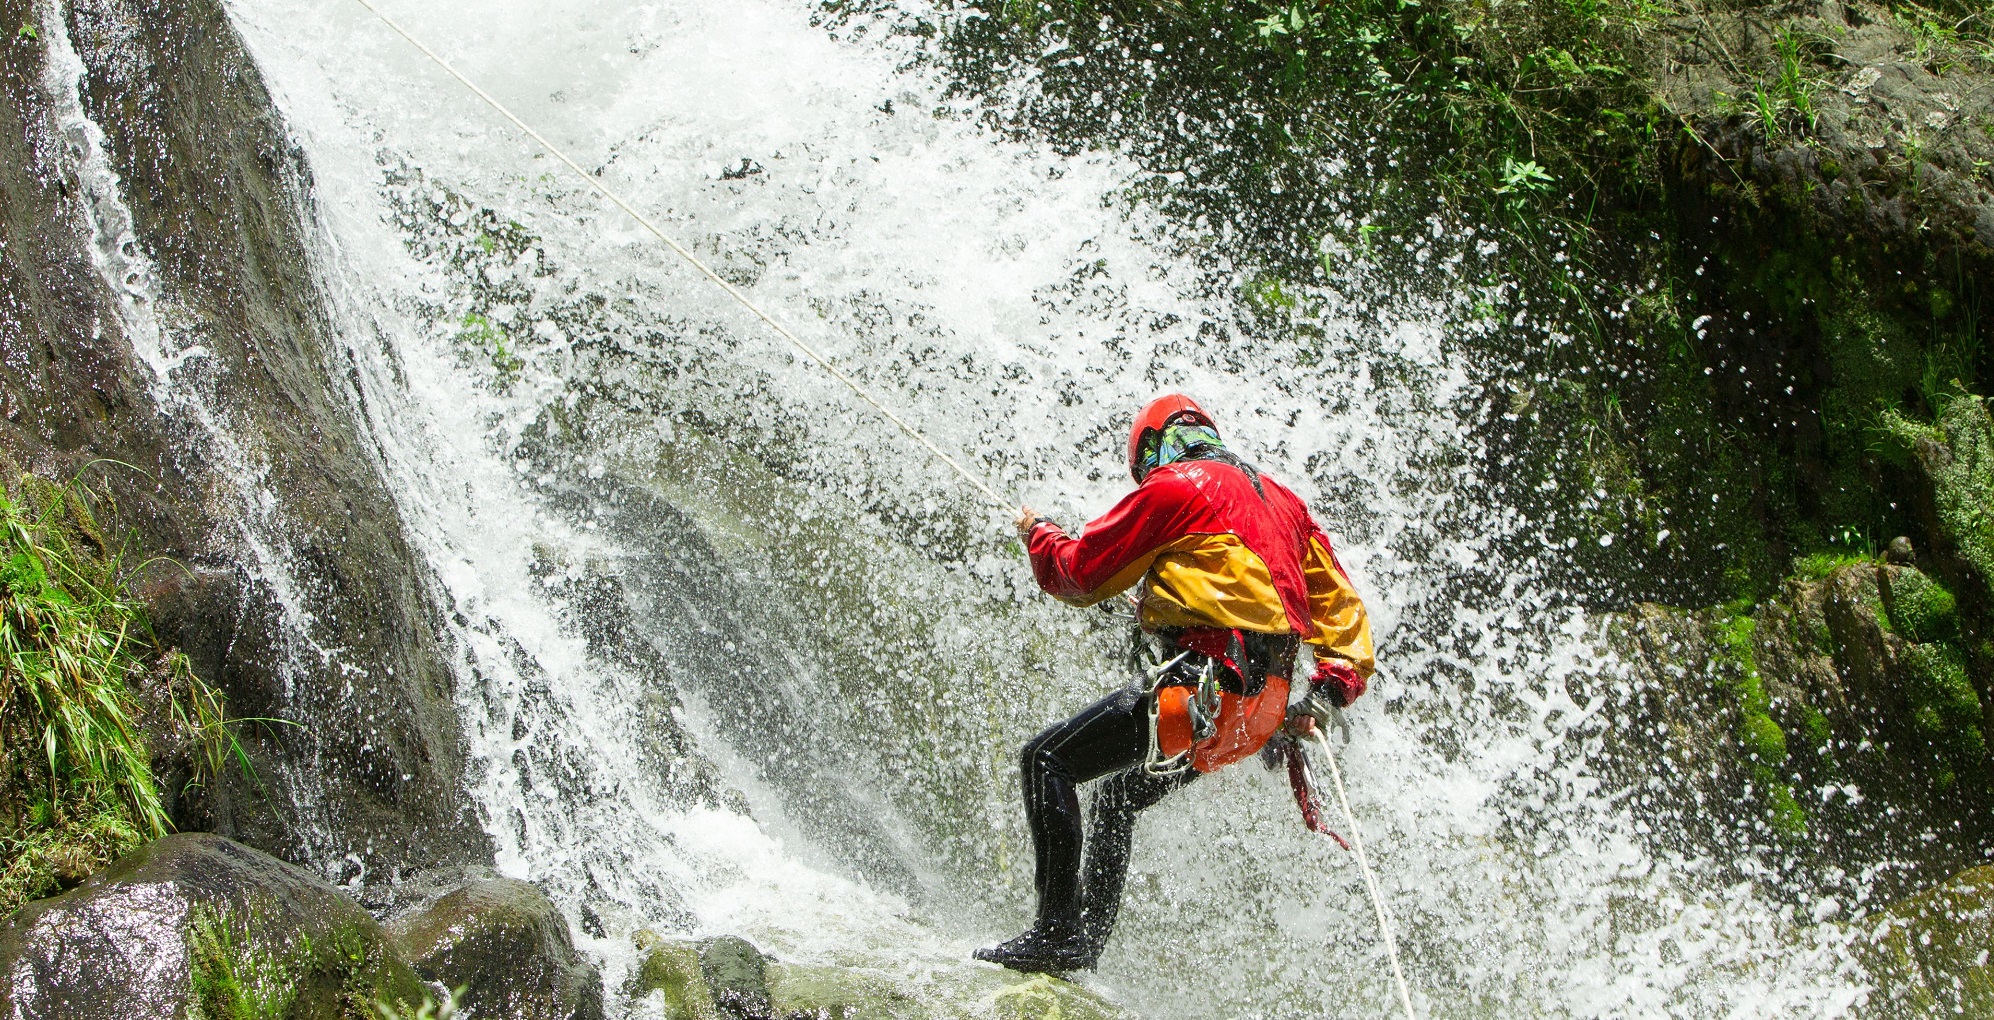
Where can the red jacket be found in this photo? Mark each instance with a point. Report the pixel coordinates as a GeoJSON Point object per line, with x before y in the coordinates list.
{"type": "Point", "coordinates": [1210, 552]}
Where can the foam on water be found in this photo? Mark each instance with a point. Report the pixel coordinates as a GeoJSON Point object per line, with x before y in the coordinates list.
{"type": "Point", "coordinates": [576, 426]}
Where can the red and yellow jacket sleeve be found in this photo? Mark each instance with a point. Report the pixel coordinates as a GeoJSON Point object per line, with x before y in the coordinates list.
{"type": "Point", "coordinates": [1116, 549]}
{"type": "Point", "coordinates": [1341, 629]}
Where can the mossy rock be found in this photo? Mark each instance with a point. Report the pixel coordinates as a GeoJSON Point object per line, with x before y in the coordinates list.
{"type": "Point", "coordinates": [199, 925]}
{"type": "Point", "coordinates": [736, 975]}
{"type": "Point", "coordinates": [1040, 997]}
{"type": "Point", "coordinates": [840, 993]}
{"type": "Point", "coordinates": [670, 970]}
{"type": "Point", "coordinates": [1956, 455]}
{"type": "Point", "coordinates": [1930, 953]}
{"type": "Point", "coordinates": [506, 945]}
{"type": "Point", "coordinates": [1921, 609]}
{"type": "Point", "coordinates": [714, 980]}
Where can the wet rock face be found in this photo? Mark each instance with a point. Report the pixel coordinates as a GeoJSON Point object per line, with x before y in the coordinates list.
{"type": "Point", "coordinates": [1842, 723]}
{"type": "Point", "coordinates": [255, 438]}
{"type": "Point", "coordinates": [507, 946]}
{"type": "Point", "coordinates": [199, 925]}
{"type": "Point", "coordinates": [1929, 953]}
{"type": "Point", "coordinates": [1889, 138]}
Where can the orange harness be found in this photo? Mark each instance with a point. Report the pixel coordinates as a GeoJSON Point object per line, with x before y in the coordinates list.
{"type": "Point", "coordinates": [1243, 723]}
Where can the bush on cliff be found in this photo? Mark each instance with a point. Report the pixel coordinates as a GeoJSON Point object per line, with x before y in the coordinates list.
{"type": "Point", "coordinates": [79, 789]}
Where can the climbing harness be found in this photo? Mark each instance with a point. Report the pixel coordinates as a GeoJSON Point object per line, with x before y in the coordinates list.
{"type": "Point", "coordinates": [1156, 763]}
{"type": "Point", "coordinates": [617, 200]}
{"type": "Point", "coordinates": [1370, 879]}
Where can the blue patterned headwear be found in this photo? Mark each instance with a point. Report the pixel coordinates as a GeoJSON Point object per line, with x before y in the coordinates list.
{"type": "Point", "coordinates": [1178, 442]}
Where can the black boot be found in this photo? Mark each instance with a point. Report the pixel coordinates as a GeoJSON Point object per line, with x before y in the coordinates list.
{"type": "Point", "coordinates": [1048, 948]}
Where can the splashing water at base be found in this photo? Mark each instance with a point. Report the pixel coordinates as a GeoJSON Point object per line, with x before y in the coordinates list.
{"type": "Point", "coordinates": [735, 657]}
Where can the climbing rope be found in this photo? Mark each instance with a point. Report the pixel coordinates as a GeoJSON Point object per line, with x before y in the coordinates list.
{"type": "Point", "coordinates": [694, 261]}
{"type": "Point", "coordinates": [1370, 879]}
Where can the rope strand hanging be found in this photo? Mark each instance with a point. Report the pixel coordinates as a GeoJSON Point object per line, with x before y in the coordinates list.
{"type": "Point", "coordinates": [1370, 878]}
{"type": "Point", "coordinates": [693, 260]}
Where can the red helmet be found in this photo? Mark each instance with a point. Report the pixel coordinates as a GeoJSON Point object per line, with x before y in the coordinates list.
{"type": "Point", "coordinates": [1160, 412]}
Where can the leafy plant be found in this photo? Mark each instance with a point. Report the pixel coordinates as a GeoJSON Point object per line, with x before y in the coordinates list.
{"type": "Point", "coordinates": [79, 789]}
{"type": "Point", "coordinates": [69, 640]}
{"type": "Point", "coordinates": [429, 1010]}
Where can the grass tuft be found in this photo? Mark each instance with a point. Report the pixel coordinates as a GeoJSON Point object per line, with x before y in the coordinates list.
{"type": "Point", "coordinates": [79, 790]}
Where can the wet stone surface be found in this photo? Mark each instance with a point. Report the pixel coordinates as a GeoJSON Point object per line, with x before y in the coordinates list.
{"type": "Point", "coordinates": [197, 924]}
{"type": "Point", "coordinates": [506, 945]}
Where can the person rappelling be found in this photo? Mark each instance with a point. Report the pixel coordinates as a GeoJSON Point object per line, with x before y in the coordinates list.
{"type": "Point", "coordinates": [1232, 576]}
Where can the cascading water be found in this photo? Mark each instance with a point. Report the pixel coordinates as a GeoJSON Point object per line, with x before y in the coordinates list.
{"type": "Point", "coordinates": [734, 656]}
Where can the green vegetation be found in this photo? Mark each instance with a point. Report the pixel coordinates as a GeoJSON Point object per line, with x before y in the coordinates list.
{"type": "Point", "coordinates": [1921, 609]}
{"type": "Point", "coordinates": [79, 789]}
{"type": "Point", "coordinates": [1817, 565]}
{"type": "Point", "coordinates": [1763, 741]}
{"type": "Point", "coordinates": [230, 979]}
{"type": "Point", "coordinates": [1958, 453]}
{"type": "Point", "coordinates": [1548, 128]}
{"type": "Point", "coordinates": [1946, 710]}
{"type": "Point", "coordinates": [486, 340]}
{"type": "Point", "coordinates": [232, 975]}
{"type": "Point", "coordinates": [429, 1010]}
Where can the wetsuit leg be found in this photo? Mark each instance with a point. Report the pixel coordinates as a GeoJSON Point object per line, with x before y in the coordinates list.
{"type": "Point", "coordinates": [1107, 737]}
{"type": "Point", "coordinates": [1117, 801]}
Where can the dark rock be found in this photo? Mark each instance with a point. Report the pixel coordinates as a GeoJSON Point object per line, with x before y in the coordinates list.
{"type": "Point", "coordinates": [197, 924]}
{"type": "Point", "coordinates": [1929, 953]}
{"type": "Point", "coordinates": [737, 975]}
{"type": "Point", "coordinates": [1844, 705]}
{"type": "Point", "coordinates": [507, 946]}
{"type": "Point", "coordinates": [1901, 553]}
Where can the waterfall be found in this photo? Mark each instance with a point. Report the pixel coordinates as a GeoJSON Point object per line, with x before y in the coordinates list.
{"type": "Point", "coordinates": [733, 656]}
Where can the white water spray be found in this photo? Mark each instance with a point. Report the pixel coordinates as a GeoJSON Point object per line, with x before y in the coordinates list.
{"type": "Point", "coordinates": [573, 427]}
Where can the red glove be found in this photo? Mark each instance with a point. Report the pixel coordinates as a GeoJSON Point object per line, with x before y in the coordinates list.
{"type": "Point", "coordinates": [1338, 681]}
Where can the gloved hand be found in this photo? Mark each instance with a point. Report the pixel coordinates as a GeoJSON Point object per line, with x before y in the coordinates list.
{"type": "Point", "coordinates": [1337, 681]}
{"type": "Point", "coordinates": [1028, 519]}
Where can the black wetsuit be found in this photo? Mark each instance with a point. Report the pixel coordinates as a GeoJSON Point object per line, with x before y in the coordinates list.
{"type": "Point", "coordinates": [1109, 741]}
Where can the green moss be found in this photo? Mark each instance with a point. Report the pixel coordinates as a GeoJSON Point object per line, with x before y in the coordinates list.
{"type": "Point", "coordinates": [1957, 453]}
{"type": "Point", "coordinates": [53, 851]}
{"type": "Point", "coordinates": [1763, 739]}
{"type": "Point", "coordinates": [481, 339]}
{"type": "Point", "coordinates": [671, 971]}
{"type": "Point", "coordinates": [1784, 812]}
{"type": "Point", "coordinates": [1945, 710]}
{"type": "Point", "coordinates": [1815, 729]}
{"type": "Point", "coordinates": [1759, 735]}
{"type": "Point", "coordinates": [1816, 566]}
{"type": "Point", "coordinates": [1921, 609]}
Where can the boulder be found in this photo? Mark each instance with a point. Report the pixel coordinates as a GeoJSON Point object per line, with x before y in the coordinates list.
{"type": "Point", "coordinates": [506, 945]}
{"type": "Point", "coordinates": [729, 979]}
{"type": "Point", "coordinates": [196, 924]}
